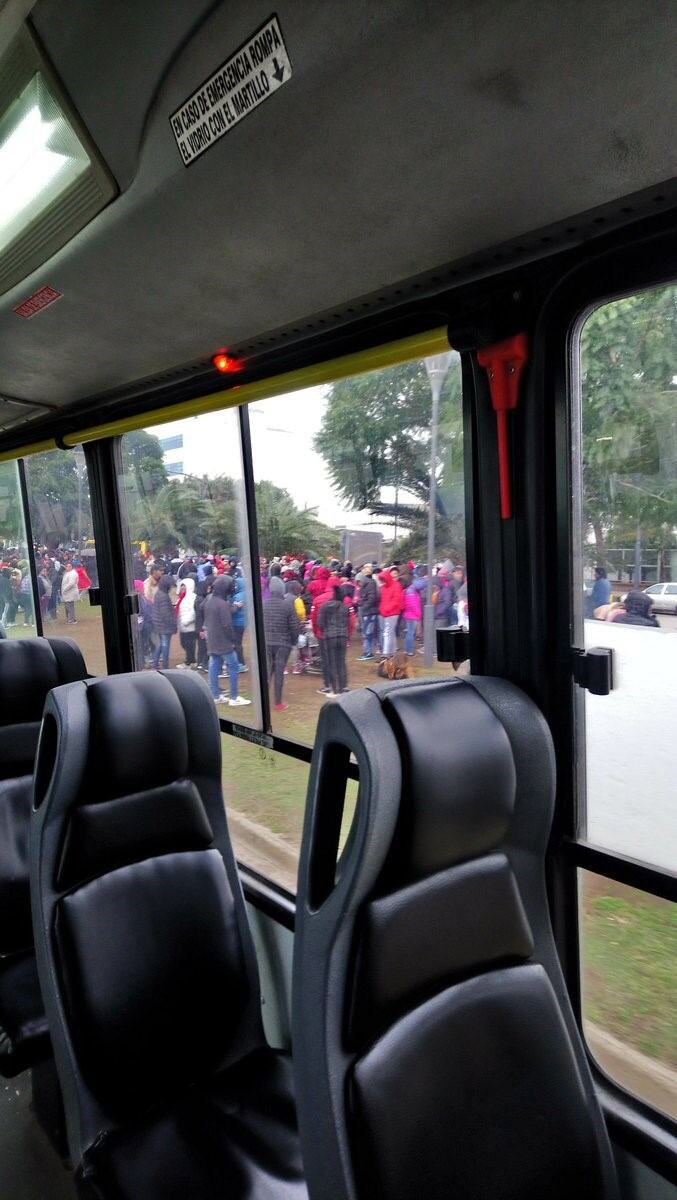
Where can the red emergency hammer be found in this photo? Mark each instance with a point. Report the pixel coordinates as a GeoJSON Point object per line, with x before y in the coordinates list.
{"type": "Point", "coordinates": [504, 364]}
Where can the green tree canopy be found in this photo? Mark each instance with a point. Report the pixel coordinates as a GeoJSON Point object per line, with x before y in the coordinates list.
{"type": "Point", "coordinates": [143, 462]}
{"type": "Point", "coordinates": [285, 529]}
{"type": "Point", "coordinates": [12, 533]}
{"type": "Point", "coordinates": [629, 453]}
{"type": "Point", "coordinates": [375, 434]}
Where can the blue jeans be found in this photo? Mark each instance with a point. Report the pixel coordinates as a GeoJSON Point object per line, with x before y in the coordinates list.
{"type": "Point", "coordinates": [369, 632]}
{"type": "Point", "coordinates": [410, 637]}
{"type": "Point", "coordinates": [162, 650]}
{"type": "Point", "coordinates": [216, 662]}
{"type": "Point", "coordinates": [389, 636]}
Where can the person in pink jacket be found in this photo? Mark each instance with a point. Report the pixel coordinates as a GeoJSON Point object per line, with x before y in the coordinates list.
{"type": "Point", "coordinates": [391, 604]}
{"type": "Point", "coordinates": [413, 614]}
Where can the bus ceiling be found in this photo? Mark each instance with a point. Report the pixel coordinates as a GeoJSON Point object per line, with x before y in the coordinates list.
{"type": "Point", "coordinates": [258, 172]}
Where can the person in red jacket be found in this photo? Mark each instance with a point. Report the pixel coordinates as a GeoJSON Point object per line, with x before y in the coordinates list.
{"type": "Point", "coordinates": [321, 589]}
{"type": "Point", "coordinates": [391, 605]}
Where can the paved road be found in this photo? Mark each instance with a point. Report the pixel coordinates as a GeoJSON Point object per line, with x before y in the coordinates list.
{"type": "Point", "coordinates": [631, 744]}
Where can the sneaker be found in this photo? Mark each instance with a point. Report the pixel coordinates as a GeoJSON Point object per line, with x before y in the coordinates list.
{"type": "Point", "coordinates": [332, 695]}
{"type": "Point", "coordinates": [182, 666]}
{"type": "Point", "coordinates": [365, 658]}
{"type": "Point", "coordinates": [238, 701]}
{"type": "Point", "coordinates": [323, 692]}
{"type": "Point", "coordinates": [346, 689]}
{"type": "Point", "coordinates": [222, 699]}
{"type": "Point", "coordinates": [280, 707]}
{"type": "Point", "coordinates": [297, 670]}
{"type": "Point", "coordinates": [242, 667]}
{"type": "Point", "coordinates": [223, 674]}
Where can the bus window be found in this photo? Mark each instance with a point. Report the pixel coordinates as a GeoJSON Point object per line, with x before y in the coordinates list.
{"type": "Point", "coordinates": [628, 546]}
{"type": "Point", "coordinates": [183, 500]}
{"type": "Point", "coordinates": [61, 522]}
{"type": "Point", "coordinates": [342, 480]}
{"type": "Point", "coordinates": [628, 956]}
{"type": "Point", "coordinates": [265, 795]}
{"type": "Point", "coordinates": [17, 602]}
{"type": "Point", "coordinates": [624, 568]}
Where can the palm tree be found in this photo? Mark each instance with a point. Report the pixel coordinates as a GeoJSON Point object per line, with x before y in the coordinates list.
{"type": "Point", "coordinates": [285, 529]}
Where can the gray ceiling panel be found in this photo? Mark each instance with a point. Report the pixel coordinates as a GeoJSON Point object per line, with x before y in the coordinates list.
{"type": "Point", "coordinates": [411, 134]}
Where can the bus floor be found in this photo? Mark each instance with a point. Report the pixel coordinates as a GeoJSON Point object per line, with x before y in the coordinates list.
{"type": "Point", "coordinates": [29, 1167]}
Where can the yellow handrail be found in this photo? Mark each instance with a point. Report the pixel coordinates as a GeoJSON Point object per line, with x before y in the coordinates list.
{"type": "Point", "coordinates": [420, 345]}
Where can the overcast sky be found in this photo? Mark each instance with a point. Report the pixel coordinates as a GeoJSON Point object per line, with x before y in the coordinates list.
{"type": "Point", "coordinates": [282, 430]}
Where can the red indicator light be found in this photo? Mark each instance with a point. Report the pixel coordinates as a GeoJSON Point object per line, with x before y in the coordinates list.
{"type": "Point", "coordinates": [224, 363]}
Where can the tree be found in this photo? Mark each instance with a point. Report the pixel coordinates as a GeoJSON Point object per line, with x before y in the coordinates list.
{"type": "Point", "coordinates": [12, 533]}
{"type": "Point", "coordinates": [285, 529]}
{"type": "Point", "coordinates": [629, 453]}
{"type": "Point", "coordinates": [143, 462]}
{"type": "Point", "coordinates": [58, 496]}
{"type": "Point", "coordinates": [375, 434]}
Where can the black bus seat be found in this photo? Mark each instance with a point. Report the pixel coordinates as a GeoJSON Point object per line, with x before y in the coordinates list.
{"type": "Point", "coordinates": [435, 1050]}
{"type": "Point", "coordinates": [145, 957]}
{"type": "Point", "coordinates": [29, 668]}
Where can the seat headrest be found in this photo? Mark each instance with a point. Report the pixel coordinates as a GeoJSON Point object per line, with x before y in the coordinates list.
{"type": "Point", "coordinates": [29, 669]}
{"type": "Point", "coordinates": [137, 735]}
{"type": "Point", "coordinates": [445, 817]}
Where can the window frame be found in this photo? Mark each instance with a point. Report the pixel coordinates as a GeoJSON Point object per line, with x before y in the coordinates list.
{"type": "Point", "coordinates": [105, 456]}
{"type": "Point", "coordinates": [648, 261]}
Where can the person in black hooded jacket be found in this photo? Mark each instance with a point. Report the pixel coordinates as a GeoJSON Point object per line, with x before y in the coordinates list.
{"type": "Point", "coordinates": [221, 646]}
{"type": "Point", "coordinates": [164, 621]}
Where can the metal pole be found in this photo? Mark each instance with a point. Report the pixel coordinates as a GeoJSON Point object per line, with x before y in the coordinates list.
{"type": "Point", "coordinates": [637, 580]}
{"type": "Point", "coordinates": [30, 547]}
{"type": "Point", "coordinates": [436, 382]}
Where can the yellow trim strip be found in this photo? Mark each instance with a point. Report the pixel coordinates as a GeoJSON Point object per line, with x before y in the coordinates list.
{"type": "Point", "coordinates": [23, 451]}
{"type": "Point", "coordinates": [421, 345]}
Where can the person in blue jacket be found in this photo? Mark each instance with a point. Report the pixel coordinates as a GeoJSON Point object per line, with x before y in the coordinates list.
{"type": "Point", "coordinates": [239, 617]}
{"type": "Point", "coordinates": [600, 594]}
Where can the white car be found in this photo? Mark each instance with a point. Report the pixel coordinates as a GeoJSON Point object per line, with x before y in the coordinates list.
{"type": "Point", "coordinates": [663, 596]}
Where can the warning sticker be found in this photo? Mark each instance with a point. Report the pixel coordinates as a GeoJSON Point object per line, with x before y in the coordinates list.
{"type": "Point", "coordinates": [249, 77]}
{"type": "Point", "coordinates": [35, 303]}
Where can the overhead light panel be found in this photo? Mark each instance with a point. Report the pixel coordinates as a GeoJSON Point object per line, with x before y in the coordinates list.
{"type": "Point", "coordinates": [51, 179]}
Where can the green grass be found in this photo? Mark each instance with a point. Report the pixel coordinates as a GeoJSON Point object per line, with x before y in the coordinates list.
{"type": "Point", "coordinates": [630, 967]}
{"type": "Point", "coordinates": [270, 788]}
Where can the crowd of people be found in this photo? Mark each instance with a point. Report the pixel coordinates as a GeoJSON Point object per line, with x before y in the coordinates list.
{"type": "Point", "coordinates": [62, 579]}
{"type": "Point", "coordinates": [311, 609]}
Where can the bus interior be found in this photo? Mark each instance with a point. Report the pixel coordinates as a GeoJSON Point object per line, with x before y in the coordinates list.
{"type": "Point", "coordinates": [338, 385]}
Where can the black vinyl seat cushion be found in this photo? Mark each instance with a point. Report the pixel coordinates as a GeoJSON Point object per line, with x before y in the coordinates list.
{"type": "Point", "coordinates": [436, 1053]}
{"type": "Point", "coordinates": [145, 954]}
{"type": "Point", "coordinates": [15, 895]}
{"type": "Point", "coordinates": [24, 1036]}
{"type": "Point", "coordinates": [234, 1138]}
{"type": "Point", "coordinates": [29, 668]}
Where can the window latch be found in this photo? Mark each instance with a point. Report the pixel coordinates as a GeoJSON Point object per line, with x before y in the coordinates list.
{"type": "Point", "coordinates": [453, 644]}
{"type": "Point", "coordinates": [593, 669]}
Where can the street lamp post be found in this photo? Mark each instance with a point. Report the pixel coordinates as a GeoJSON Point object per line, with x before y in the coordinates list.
{"type": "Point", "coordinates": [437, 368]}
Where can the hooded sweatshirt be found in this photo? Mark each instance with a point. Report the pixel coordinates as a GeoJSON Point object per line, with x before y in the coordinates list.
{"type": "Point", "coordinates": [392, 595]}
{"type": "Point", "coordinates": [164, 617]}
{"type": "Point", "coordinates": [185, 605]}
{"type": "Point", "coordinates": [239, 610]}
{"type": "Point", "coordinates": [217, 617]}
{"type": "Point", "coordinates": [281, 623]}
